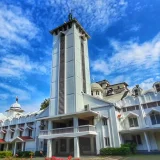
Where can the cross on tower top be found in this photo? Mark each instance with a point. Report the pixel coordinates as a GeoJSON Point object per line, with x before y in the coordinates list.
{"type": "Point", "coordinates": [70, 16]}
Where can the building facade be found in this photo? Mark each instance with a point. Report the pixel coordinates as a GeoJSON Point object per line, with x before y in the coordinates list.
{"type": "Point", "coordinates": [18, 130]}
{"type": "Point", "coordinates": [82, 118]}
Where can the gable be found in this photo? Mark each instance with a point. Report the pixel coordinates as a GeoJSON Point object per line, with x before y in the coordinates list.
{"type": "Point", "coordinates": [44, 113]}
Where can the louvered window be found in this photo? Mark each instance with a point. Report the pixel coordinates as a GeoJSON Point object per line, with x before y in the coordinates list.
{"type": "Point", "coordinates": [62, 75]}
{"type": "Point", "coordinates": [83, 66]}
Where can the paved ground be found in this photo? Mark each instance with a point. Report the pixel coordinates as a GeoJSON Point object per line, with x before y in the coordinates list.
{"type": "Point", "coordinates": [133, 157]}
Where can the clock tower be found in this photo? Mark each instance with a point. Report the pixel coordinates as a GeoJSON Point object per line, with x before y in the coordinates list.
{"type": "Point", "coordinates": [70, 68]}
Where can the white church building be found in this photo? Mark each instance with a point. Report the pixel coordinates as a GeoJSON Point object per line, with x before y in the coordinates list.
{"type": "Point", "coordinates": [82, 117]}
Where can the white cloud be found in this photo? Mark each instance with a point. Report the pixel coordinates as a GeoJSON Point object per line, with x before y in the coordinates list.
{"type": "Point", "coordinates": [135, 28]}
{"type": "Point", "coordinates": [93, 15]}
{"type": "Point", "coordinates": [15, 26]}
{"type": "Point", "coordinates": [24, 95]}
{"type": "Point", "coordinates": [147, 84]}
{"type": "Point", "coordinates": [130, 57]}
{"type": "Point", "coordinates": [16, 66]}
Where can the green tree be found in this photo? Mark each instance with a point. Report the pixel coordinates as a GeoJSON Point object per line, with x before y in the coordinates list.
{"type": "Point", "coordinates": [44, 104]}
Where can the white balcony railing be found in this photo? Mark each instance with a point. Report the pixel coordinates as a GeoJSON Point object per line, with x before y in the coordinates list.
{"type": "Point", "coordinates": [68, 130]}
{"type": "Point", "coordinates": [62, 130]}
{"type": "Point", "coordinates": [86, 128]}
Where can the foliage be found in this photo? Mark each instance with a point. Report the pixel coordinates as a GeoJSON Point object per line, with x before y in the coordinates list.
{"type": "Point", "coordinates": [115, 151]}
{"type": "Point", "coordinates": [45, 104]}
{"type": "Point", "coordinates": [132, 146]}
{"type": "Point", "coordinates": [25, 154]}
{"type": "Point", "coordinates": [4, 154]}
{"type": "Point", "coordinates": [39, 154]}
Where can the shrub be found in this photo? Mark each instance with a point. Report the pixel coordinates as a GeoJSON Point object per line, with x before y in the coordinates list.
{"type": "Point", "coordinates": [4, 154]}
{"type": "Point", "coordinates": [26, 154]}
{"type": "Point", "coordinates": [38, 154]}
{"type": "Point", "coordinates": [132, 146]}
{"type": "Point", "coordinates": [115, 151]}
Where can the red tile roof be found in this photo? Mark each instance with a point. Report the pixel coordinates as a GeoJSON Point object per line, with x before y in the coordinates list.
{"type": "Point", "coordinates": [2, 141]}
{"type": "Point", "coordinates": [21, 129]}
{"type": "Point", "coordinates": [29, 127]}
{"type": "Point", "coordinates": [25, 138]}
{"type": "Point", "coordinates": [12, 130]}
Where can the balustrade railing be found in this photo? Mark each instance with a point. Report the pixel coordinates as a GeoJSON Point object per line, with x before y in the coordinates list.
{"type": "Point", "coordinates": [68, 130]}
{"type": "Point", "coordinates": [86, 128]}
{"type": "Point", "coordinates": [62, 130]}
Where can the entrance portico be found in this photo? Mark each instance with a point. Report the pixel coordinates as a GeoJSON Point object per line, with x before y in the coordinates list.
{"type": "Point", "coordinates": [75, 146]}
{"type": "Point", "coordinates": [71, 135]}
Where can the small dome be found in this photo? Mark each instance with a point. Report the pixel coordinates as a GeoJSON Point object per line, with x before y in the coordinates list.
{"type": "Point", "coordinates": [16, 105]}
{"type": "Point", "coordinates": [96, 86]}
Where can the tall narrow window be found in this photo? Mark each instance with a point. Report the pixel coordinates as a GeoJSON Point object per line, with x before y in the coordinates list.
{"type": "Point", "coordinates": [104, 121]}
{"type": "Point", "coordinates": [20, 133]}
{"type": "Point", "coordinates": [133, 122]}
{"type": "Point", "coordinates": [62, 75]}
{"type": "Point", "coordinates": [12, 134]}
{"type": "Point", "coordinates": [30, 133]}
{"type": "Point", "coordinates": [83, 66]}
{"type": "Point", "coordinates": [157, 87]}
{"type": "Point", "coordinates": [4, 135]}
{"type": "Point", "coordinates": [107, 141]}
{"type": "Point", "coordinates": [136, 92]}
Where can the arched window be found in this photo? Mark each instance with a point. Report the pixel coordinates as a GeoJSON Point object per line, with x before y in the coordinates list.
{"type": "Point", "coordinates": [92, 93]}
{"type": "Point", "coordinates": [136, 92]}
{"type": "Point", "coordinates": [155, 118]}
{"type": "Point", "coordinates": [97, 92]}
{"type": "Point", "coordinates": [157, 86]}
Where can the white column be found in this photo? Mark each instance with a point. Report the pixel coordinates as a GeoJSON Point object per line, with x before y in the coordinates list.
{"type": "Point", "coordinates": [109, 132]}
{"type": "Point", "coordinates": [147, 142]}
{"type": "Point", "coordinates": [49, 125]}
{"type": "Point", "coordinates": [97, 144]}
{"type": "Point", "coordinates": [92, 144]}
{"type": "Point", "coordinates": [15, 148]}
{"type": "Point", "coordinates": [49, 148]}
{"type": "Point", "coordinates": [7, 147]}
{"type": "Point", "coordinates": [121, 138]}
{"type": "Point", "coordinates": [22, 146]}
{"type": "Point", "coordinates": [75, 124]}
{"type": "Point", "coordinates": [76, 147]}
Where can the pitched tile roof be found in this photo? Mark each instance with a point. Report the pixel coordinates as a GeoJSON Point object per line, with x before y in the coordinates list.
{"type": "Point", "coordinates": [25, 138]}
{"type": "Point", "coordinates": [2, 141]}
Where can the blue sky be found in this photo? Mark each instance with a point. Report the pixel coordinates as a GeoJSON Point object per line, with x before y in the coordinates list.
{"type": "Point", "coordinates": [124, 44]}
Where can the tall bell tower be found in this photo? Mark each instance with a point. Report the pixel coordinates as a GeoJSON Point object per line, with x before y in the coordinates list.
{"type": "Point", "coordinates": [70, 68]}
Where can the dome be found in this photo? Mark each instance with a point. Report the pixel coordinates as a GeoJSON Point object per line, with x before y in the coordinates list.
{"type": "Point", "coordinates": [96, 86]}
{"type": "Point", "coordinates": [16, 105]}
